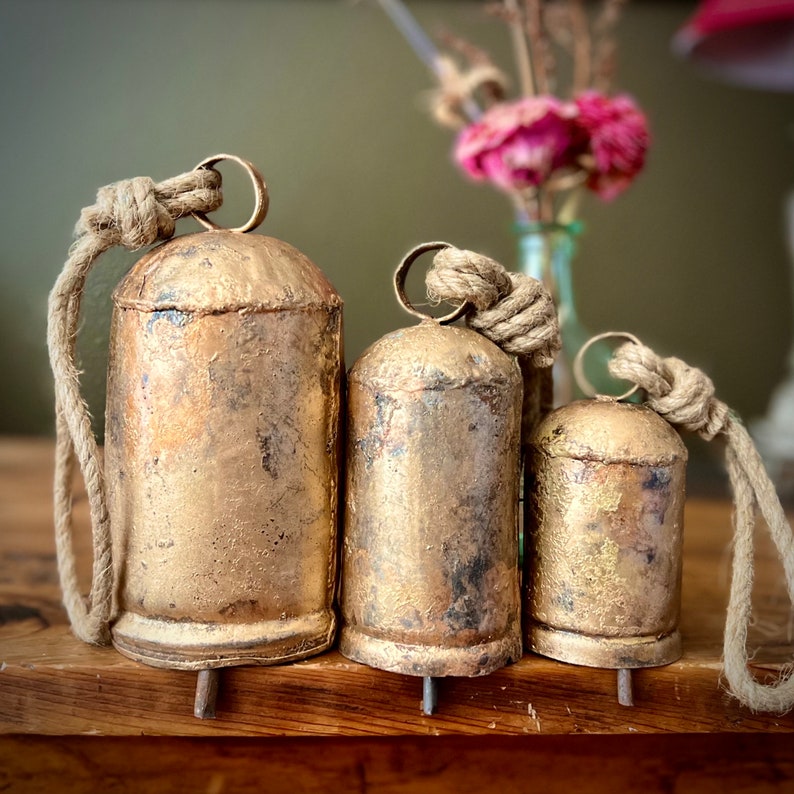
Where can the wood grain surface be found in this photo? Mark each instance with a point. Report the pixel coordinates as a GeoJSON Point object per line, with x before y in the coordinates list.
{"type": "Point", "coordinates": [710, 764]}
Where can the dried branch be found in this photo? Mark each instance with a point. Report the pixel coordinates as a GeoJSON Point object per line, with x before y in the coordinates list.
{"type": "Point", "coordinates": [557, 19]}
{"type": "Point", "coordinates": [582, 46]}
{"type": "Point", "coordinates": [475, 55]}
{"type": "Point", "coordinates": [605, 55]}
{"type": "Point", "coordinates": [539, 47]}
{"type": "Point", "coordinates": [523, 58]}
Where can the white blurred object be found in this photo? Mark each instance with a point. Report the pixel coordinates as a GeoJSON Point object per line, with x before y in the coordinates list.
{"type": "Point", "coordinates": [774, 433]}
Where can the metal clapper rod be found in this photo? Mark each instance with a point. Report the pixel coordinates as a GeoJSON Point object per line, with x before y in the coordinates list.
{"type": "Point", "coordinates": [206, 694]}
{"type": "Point", "coordinates": [625, 688]}
{"type": "Point", "coordinates": [429, 695]}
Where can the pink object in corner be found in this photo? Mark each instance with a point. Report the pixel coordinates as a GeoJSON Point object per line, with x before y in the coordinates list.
{"type": "Point", "coordinates": [748, 42]}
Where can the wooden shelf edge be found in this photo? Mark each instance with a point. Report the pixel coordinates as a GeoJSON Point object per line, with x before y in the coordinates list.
{"type": "Point", "coordinates": [69, 688]}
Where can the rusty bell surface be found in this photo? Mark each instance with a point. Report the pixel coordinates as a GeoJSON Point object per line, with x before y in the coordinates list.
{"type": "Point", "coordinates": [221, 453]}
{"type": "Point", "coordinates": [430, 575]}
{"type": "Point", "coordinates": [603, 551]}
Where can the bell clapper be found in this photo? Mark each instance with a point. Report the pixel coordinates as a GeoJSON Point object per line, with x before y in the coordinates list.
{"type": "Point", "coordinates": [206, 694]}
{"type": "Point", "coordinates": [625, 689]}
{"type": "Point", "coordinates": [429, 695]}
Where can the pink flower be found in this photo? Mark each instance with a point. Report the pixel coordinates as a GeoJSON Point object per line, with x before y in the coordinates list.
{"type": "Point", "coordinates": [618, 138]}
{"type": "Point", "coordinates": [518, 144]}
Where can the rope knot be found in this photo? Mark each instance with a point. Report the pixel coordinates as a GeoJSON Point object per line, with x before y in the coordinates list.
{"type": "Point", "coordinates": [683, 395]}
{"type": "Point", "coordinates": [513, 310]}
{"type": "Point", "coordinates": [139, 212]}
{"type": "Point", "coordinates": [134, 213]}
{"type": "Point", "coordinates": [458, 275]}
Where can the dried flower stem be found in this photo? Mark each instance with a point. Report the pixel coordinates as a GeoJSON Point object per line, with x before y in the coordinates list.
{"type": "Point", "coordinates": [582, 52]}
{"type": "Point", "coordinates": [523, 59]}
{"type": "Point", "coordinates": [604, 58]}
{"type": "Point", "coordinates": [538, 46]}
{"type": "Point", "coordinates": [608, 18]}
{"type": "Point", "coordinates": [525, 206]}
{"type": "Point", "coordinates": [570, 207]}
{"type": "Point", "coordinates": [473, 54]}
{"type": "Point", "coordinates": [546, 205]}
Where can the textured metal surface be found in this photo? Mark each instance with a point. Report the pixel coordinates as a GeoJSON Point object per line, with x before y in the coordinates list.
{"type": "Point", "coordinates": [222, 453]}
{"type": "Point", "coordinates": [430, 575]}
{"type": "Point", "coordinates": [603, 551]}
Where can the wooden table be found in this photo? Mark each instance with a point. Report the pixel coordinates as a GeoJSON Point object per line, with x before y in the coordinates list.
{"type": "Point", "coordinates": [74, 717]}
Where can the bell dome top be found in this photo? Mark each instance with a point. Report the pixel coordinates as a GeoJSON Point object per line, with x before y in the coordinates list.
{"type": "Point", "coordinates": [610, 432]}
{"type": "Point", "coordinates": [224, 271]}
{"type": "Point", "coordinates": [431, 356]}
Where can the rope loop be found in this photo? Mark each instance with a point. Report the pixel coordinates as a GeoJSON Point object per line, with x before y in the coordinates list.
{"type": "Point", "coordinates": [138, 212]}
{"type": "Point", "coordinates": [684, 396]}
{"type": "Point", "coordinates": [134, 213]}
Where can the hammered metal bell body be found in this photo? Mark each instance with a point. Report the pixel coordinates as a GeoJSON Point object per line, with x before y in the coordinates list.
{"type": "Point", "coordinates": [602, 577]}
{"type": "Point", "coordinates": [222, 459]}
{"type": "Point", "coordinates": [430, 574]}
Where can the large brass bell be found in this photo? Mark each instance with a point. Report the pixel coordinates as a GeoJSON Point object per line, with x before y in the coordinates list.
{"type": "Point", "coordinates": [430, 577]}
{"type": "Point", "coordinates": [222, 458]}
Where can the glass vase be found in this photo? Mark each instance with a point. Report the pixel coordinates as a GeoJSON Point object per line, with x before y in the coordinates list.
{"type": "Point", "coordinates": [546, 252]}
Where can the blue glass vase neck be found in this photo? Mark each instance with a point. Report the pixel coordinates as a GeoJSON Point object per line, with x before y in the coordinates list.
{"type": "Point", "coordinates": [546, 251]}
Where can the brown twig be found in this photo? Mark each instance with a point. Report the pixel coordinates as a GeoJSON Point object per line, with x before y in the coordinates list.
{"type": "Point", "coordinates": [582, 44]}
{"type": "Point", "coordinates": [605, 49]}
{"type": "Point", "coordinates": [538, 44]}
{"type": "Point", "coordinates": [475, 55]}
{"type": "Point", "coordinates": [521, 48]}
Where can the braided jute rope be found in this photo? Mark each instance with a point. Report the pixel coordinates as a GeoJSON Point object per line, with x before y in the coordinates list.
{"type": "Point", "coordinates": [684, 396]}
{"type": "Point", "coordinates": [133, 213]}
{"type": "Point", "coordinates": [511, 309]}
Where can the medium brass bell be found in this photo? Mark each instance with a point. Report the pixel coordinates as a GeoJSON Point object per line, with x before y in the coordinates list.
{"type": "Point", "coordinates": [603, 546]}
{"type": "Point", "coordinates": [222, 462]}
{"type": "Point", "coordinates": [430, 576]}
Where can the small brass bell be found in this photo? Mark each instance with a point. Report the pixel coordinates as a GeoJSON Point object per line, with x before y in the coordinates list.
{"type": "Point", "coordinates": [429, 565]}
{"type": "Point", "coordinates": [222, 462]}
{"type": "Point", "coordinates": [603, 550]}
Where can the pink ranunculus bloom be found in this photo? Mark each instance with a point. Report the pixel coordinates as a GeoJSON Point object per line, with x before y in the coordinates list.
{"type": "Point", "coordinates": [518, 144]}
{"type": "Point", "coordinates": [618, 136]}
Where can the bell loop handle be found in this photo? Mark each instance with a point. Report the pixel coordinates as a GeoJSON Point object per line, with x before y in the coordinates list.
{"type": "Point", "coordinates": [261, 197]}
{"type": "Point", "coordinates": [399, 285]}
{"type": "Point", "coordinates": [581, 379]}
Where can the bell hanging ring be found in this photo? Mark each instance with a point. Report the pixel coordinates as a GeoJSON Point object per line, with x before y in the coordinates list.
{"type": "Point", "coordinates": [222, 457]}
{"type": "Point", "coordinates": [603, 550]}
{"type": "Point", "coordinates": [430, 575]}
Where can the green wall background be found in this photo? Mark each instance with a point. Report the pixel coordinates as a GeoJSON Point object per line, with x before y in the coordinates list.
{"type": "Point", "coordinates": [325, 97]}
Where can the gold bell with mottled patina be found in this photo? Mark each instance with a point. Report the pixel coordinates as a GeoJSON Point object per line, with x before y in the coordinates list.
{"type": "Point", "coordinates": [429, 564]}
{"type": "Point", "coordinates": [603, 545]}
{"type": "Point", "coordinates": [222, 459]}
